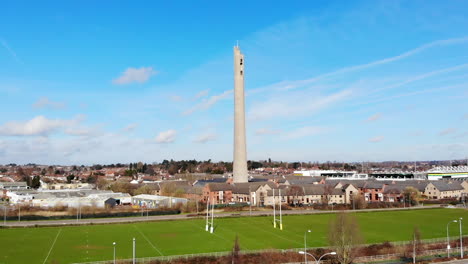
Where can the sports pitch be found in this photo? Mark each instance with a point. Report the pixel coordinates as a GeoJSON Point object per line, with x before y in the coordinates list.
{"type": "Point", "coordinates": [94, 242]}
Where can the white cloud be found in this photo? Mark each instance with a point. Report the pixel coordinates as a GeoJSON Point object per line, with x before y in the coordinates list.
{"type": "Point", "coordinates": [130, 127]}
{"type": "Point", "coordinates": [376, 139]}
{"type": "Point", "coordinates": [10, 50]}
{"type": "Point", "coordinates": [202, 94]}
{"type": "Point", "coordinates": [166, 136]}
{"type": "Point", "coordinates": [207, 103]}
{"type": "Point", "coordinates": [132, 75]}
{"type": "Point", "coordinates": [453, 41]}
{"type": "Point", "coordinates": [38, 126]}
{"type": "Point", "coordinates": [267, 131]}
{"type": "Point", "coordinates": [44, 102]}
{"type": "Point", "coordinates": [304, 131]}
{"type": "Point", "coordinates": [374, 117]}
{"type": "Point", "coordinates": [423, 76]}
{"type": "Point", "coordinates": [291, 104]}
{"type": "Point", "coordinates": [205, 138]}
{"type": "Point", "coordinates": [447, 131]}
{"type": "Point", "coordinates": [81, 131]}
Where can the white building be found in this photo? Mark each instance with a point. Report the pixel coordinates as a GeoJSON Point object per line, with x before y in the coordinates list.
{"type": "Point", "coordinates": [156, 201]}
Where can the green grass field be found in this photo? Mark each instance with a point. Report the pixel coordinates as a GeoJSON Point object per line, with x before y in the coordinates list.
{"type": "Point", "coordinates": [94, 242]}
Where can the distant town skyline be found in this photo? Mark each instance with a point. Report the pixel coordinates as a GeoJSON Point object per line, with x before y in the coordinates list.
{"type": "Point", "coordinates": [88, 83]}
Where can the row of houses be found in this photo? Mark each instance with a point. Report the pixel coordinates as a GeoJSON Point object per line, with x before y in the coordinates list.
{"type": "Point", "coordinates": [260, 191]}
{"type": "Point", "coordinates": [312, 190]}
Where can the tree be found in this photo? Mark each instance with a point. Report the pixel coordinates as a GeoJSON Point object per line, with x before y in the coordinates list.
{"type": "Point", "coordinates": [359, 201]}
{"type": "Point", "coordinates": [70, 178]}
{"type": "Point", "coordinates": [36, 182]}
{"type": "Point", "coordinates": [101, 183]}
{"type": "Point", "coordinates": [235, 258]}
{"type": "Point", "coordinates": [412, 195]}
{"type": "Point", "coordinates": [91, 179]}
{"type": "Point", "coordinates": [145, 189]}
{"type": "Point", "coordinates": [168, 189]}
{"type": "Point", "coordinates": [123, 187]}
{"type": "Point", "coordinates": [344, 235]}
{"type": "Point", "coordinates": [416, 247]}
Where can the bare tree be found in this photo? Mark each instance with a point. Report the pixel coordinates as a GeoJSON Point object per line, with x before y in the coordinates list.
{"type": "Point", "coordinates": [416, 247]}
{"type": "Point", "coordinates": [411, 195]}
{"type": "Point", "coordinates": [235, 252]}
{"type": "Point", "coordinates": [359, 201]}
{"type": "Point", "coordinates": [344, 235]}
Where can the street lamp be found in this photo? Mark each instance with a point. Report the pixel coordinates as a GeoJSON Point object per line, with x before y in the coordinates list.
{"type": "Point", "coordinates": [317, 261]}
{"type": "Point", "coordinates": [114, 250]}
{"type": "Point", "coordinates": [305, 245]}
{"type": "Point", "coordinates": [448, 239]}
{"type": "Point", "coordinates": [461, 237]}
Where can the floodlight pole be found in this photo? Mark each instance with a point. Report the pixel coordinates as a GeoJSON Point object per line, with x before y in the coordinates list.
{"type": "Point", "coordinates": [134, 253]}
{"type": "Point", "coordinates": [19, 212]}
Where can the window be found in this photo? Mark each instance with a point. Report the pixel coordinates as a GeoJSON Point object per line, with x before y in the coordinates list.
{"type": "Point", "coordinates": [241, 72]}
{"type": "Point", "coordinates": [241, 61]}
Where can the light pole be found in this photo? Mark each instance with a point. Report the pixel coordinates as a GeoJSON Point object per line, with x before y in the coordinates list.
{"type": "Point", "coordinates": [305, 245]}
{"type": "Point", "coordinates": [461, 237]}
{"type": "Point", "coordinates": [317, 261]}
{"type": "Point", "coordinates": [114, 250]}
{"type": "Point", "coordinates": [448, 239]}
{"type": "Point", "coordinates": [134, 253]}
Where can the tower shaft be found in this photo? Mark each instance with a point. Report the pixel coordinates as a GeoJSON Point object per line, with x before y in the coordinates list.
{"type": "Point", "coordinates": [240, 152]}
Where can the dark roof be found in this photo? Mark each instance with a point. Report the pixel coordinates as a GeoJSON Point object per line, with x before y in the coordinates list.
{"type": "Point", "coordinates": [373, 185]}
{"type": "Point", "coordinates": [243, 188]}
{"type": "Point", "coordinates": [395, 189]}
{"type": "Point", "coordinates": [215, 187]}
{"type": "Point", "coordinates": [444, 186]}
{"type": "Point", "coordinates": [258, 180]}
{"type": "Point", "coordinates": [318, 189]}
{"type": "Point", "coordinates": [205, 182]}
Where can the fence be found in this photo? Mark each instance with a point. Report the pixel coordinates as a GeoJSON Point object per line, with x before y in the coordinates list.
{"type": "Point", "coordinates": [454, 251]}
{"type": "Point", "coordinates": [245, 252]}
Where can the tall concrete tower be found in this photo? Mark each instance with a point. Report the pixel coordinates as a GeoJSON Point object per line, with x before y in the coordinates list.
{"type": "Point", "coordinates": [240, 152]}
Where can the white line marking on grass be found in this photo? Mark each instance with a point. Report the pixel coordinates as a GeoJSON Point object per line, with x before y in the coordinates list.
{"type": "Point", "coordinates": [279, 236]}
{"type": "Point", "coordinates": [211, 233]}
{"type": "Point", "coordinates": [50, 250]}
{"type": "Point", "coordinates": [149, 241]}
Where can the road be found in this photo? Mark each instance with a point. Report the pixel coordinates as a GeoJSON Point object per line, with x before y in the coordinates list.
{"type": "Point", "coordinates": [180, 217]}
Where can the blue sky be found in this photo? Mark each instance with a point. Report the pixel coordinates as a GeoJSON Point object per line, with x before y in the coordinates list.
{"type": "Point", "coordinates": [86, 82]}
